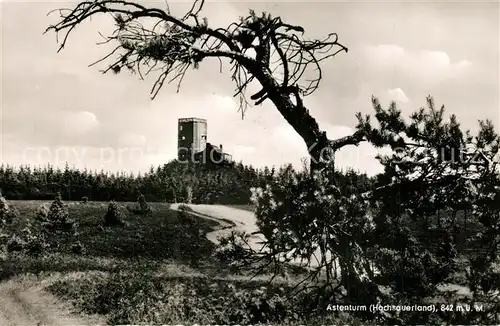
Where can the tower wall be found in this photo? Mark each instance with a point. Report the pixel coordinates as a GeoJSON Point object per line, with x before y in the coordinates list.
{"type": "Point", "coordinates": [192, 137]}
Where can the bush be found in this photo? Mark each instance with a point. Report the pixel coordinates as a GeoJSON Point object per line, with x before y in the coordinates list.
{"type": "Point", "coordinates": [233, 249]}
{"type": "Point", "coordinates": [15, 244]}
{"type": "Point", "coordinates": [113, 215]}
{"type": "Point", "coordinates": [85, 199]}
{"type": "Point", "coordinates": [185, 219]}
{"type": "Point", "coordinates": [185, 208]}
{"type": "Point", "coordinates": [139, 298]}
{"type": "Point", "coordinates": [35, 245]}
{"type": "Point", "coordinates": [58, 217]}
{"type": "Point", "coordinates": [170, 195]}
{"type": "Point", "coordinates": [55, 221]}
{"type": "Point", "coordinates": [42, 213]}
{"type": "Point", "coordinates": [142, 207]}
{"type": "Point", "coordinates": [4, 238]}
{"type": "Point", "coordinates": [7, 213]}
{"type": "Point", "coordinates": [296, 212]}
{"type": "Point", "coordinates": [77, 248]}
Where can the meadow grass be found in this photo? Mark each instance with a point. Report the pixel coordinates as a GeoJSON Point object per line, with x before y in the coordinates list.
{"type": "Point", "coordinates": [155, 269]}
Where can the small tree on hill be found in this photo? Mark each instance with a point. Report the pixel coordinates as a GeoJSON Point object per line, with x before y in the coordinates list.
{"type": "Point", "coordinates": [113, 215]}
{"type": "Point", "coordinates": [7, 213]}
{"type": "Point", "coordinates": [59, 221]}
{"type": "Point", "coordinates": [144, 206]}
{"type": "Point", "coordinates": [141, 207]}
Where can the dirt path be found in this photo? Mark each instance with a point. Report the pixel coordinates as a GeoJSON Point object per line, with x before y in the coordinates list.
{"type": "Point", "coordinates": [245, 221]}
{"type": "Point", "coordinates": [23, 302]}
{"type": "Point", "coordinates": [242, 221]}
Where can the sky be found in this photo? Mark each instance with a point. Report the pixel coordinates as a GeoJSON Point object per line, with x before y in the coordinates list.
{"type": "Point", "coordinates": [57, 109]}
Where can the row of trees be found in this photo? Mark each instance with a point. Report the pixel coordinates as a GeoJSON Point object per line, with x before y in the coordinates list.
{"type": "Point", "coordinates": [167, 183]}
{"type": "Point", "coordinates": [164, 183]}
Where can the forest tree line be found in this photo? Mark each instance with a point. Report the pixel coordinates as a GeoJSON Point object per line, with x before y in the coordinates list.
{"type": "Point", "coordinates": [167, 183]}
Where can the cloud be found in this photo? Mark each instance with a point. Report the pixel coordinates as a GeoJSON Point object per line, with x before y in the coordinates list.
{"type": "Point", "coordinates": [429, 66]}
{"type": "Point", "coordinates": [335, 132]}
{"type": "Point", "coordinates": [79, 123]}
{"type": "Point", "coordinates": [437, 58]}
{"type": "Point", "coordinates": [131, 140]}
{"type": "Point", "coordinates": [242, 153]}
{"type": "Point", "coordinates": [388, 52]}
{"type": "Point", "coordinates": [397, 94]}
{"type": "Point", "coordinates": [242, 149]}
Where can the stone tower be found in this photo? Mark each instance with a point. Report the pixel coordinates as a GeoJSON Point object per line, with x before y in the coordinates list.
{"type": "Point", "coordinates": [192, 138]}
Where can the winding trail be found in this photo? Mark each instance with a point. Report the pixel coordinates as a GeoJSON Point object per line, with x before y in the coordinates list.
{"type": "Point", "coordinates": [229, 219]}
{"type": "Point", "coordinates": [243, 220]}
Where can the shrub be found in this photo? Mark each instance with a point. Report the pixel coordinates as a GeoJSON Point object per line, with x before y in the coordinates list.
{"type": "Point", "coordinates": [15, 244]}
{"type": "Point", "coordinates": [113, 215]}
{"type": "Point", "coordinates": [139, 298]}
{"type": "Point", "coordinates": [185, 219]}
{"type": "Point", "coordinates": [170, 196]}
{"type": "Point", "coordinates": [85, 199]}
{"type": "Point", "coordinates": [4, 209]}
{"type": "Point", "coordinates": [297, 211]}
{"type": "Point", "coordinates": [57, 209]}
{"type": "Point", "coordinates": [56, 221]}
{"type": "Point", "coordinates": [42, 213]}
{"type": "Point", "coordinates": [58, 217]}
{"type": "Point", "coordinates": [3, 254]}
{"type": "Point", "coordinates": [7, 213]}
{"type": "Point", "coordinates": [4, 238]}
{"type": "Point", "coordinates": [185, 208]}
{"type": "Point", "coordinates": [35, 245]}
{"type": "Point", "coordinates": [142, 207]}
{"type": "Point", "coordinates": [77, 248]}
{"type": "Point", "coordinates": [233, 249]}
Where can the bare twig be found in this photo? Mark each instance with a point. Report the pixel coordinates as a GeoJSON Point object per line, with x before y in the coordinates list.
{"type": "Point", "coordinates": [174, 45]}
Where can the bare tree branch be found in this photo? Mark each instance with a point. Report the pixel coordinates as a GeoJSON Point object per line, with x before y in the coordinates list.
{"type": "Point", "coordinates": [173, 45]}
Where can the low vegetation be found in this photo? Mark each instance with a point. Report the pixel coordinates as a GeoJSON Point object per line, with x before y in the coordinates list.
{"type": "Point", "coordinates": [149, 269]}
{"type": "Point", "coordinates": [113, 215]}
{"type": "Point", "coordinates": [141, 207]}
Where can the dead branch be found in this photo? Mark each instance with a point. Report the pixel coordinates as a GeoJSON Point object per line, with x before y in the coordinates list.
{"type": "Point", "coordinates": [175, 44]}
